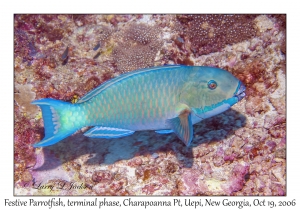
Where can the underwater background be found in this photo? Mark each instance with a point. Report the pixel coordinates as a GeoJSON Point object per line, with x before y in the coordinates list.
{"type": "Point", "coordinates": [239, 152]}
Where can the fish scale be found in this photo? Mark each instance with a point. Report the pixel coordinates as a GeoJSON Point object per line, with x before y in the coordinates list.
{"type": "Point", "coordinates": [165, 99]}
{"type": "Point", "coordinates": [130, 100]}
{"type": "Point", "coordinates": [147, 91]}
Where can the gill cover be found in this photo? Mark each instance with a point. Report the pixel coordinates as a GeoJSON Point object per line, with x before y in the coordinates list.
{"type": "Point", "coordinates": [210, 91]}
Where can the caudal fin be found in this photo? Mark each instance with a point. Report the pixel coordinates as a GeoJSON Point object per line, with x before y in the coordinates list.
{"type": "Point", "coordinates": [52, 111]}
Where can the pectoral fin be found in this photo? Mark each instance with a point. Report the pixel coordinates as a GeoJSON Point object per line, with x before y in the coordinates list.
{"type": "Point", "coordinates": [107, 132]}
{"type": "Point", "coordinates": [182, 126]}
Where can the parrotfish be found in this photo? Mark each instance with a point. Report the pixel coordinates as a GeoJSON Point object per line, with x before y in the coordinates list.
{"type": "Point", "coordinates": [165, 99]}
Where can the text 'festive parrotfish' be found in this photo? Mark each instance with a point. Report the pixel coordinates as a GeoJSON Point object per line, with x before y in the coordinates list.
{"type": "Point", "coordinates": [165, 99]}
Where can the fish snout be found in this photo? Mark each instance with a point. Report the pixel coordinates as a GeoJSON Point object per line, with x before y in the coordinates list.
{"type": "Point", "coordinates": [240, 93]}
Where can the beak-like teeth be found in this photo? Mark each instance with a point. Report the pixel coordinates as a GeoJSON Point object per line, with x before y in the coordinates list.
{"type": "Point", "coordinates": [241, 92]}
{"type": "Point", "coordinates": [241, 96]}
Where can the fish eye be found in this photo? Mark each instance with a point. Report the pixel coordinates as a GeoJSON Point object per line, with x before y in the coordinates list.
{"type": "Point", "coordinates": [212, 84]}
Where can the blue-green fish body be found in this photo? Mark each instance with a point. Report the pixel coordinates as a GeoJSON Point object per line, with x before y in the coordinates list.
{"type": "Point", "coordinates": [165, 99]}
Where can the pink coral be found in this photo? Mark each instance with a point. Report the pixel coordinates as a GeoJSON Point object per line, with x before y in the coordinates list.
{"type": "Point", "coordinates": [102, 176]}
{"type": "Point", "coordinates": [237, 179]}
{"type": "Point", "coordinates": [190, 184]}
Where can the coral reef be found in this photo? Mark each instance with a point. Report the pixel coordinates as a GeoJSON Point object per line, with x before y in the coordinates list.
{"type": "Point", "coordinates": [239, 152]}
{"type": "Point", "coordinates": [138, 46]}
{"type": "Point", "coordinates": [210, 33]}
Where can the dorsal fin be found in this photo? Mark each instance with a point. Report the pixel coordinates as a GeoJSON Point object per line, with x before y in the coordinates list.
{"type": "Point", "coordinates": [108, 83]}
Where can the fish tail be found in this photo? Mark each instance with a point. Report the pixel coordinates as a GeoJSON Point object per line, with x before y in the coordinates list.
{"type": "Point", "coordinates": [53, 112]}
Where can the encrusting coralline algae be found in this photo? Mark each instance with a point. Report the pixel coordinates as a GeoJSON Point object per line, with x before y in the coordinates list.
{"type": "Point", "coordinates": [239, 152]}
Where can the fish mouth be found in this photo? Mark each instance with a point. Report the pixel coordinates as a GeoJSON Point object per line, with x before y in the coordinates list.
{"type": "Point", "coordinates": [240, 93]}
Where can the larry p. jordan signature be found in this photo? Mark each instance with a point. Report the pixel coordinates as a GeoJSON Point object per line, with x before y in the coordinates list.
{"type": "Point", "coordinates": [58, 185]}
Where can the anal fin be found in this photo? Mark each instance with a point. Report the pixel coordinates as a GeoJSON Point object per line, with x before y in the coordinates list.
{"type": "Point", "coordinates": [107, 132]}
{"type": "Point", "coordinates": [164, 131]}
